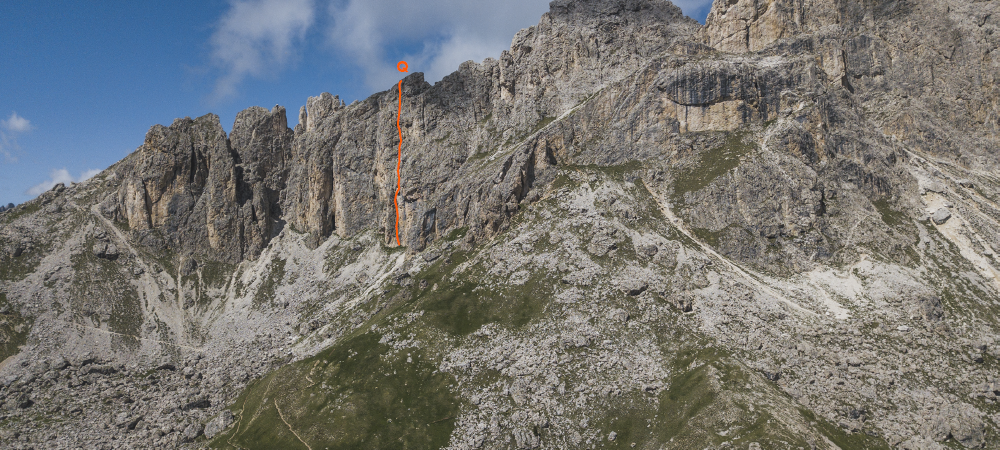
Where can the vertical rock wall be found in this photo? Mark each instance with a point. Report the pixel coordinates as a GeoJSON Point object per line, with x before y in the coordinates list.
{"type": "Point", "coordinates": [206, 194]}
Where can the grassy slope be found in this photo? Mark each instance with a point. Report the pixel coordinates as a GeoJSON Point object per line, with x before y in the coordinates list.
{"type": "Point", "coordinates": [356, 394]}
{"type": "Point", "coordinates": [361, 393]}
{"type": "Point", "coordinates": [13, 329]}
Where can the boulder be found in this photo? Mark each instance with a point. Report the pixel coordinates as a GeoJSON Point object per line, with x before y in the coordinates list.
{"type": "Point", "coordinates": [106, 250]}
{"type": "Point", "coordinates": [959, 422]}
{"type": "Point", "coordinates": [618, 315]}
{"type": "Point", "coordinates": [941, 216]}
{"type": "Point", "coordinates": [191, 432]}
{"type": "Point", "coordinates": [218, 424]}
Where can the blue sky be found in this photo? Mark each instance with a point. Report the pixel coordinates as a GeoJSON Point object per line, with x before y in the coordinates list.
{"type": "Point", "coordinates": [82, 82]}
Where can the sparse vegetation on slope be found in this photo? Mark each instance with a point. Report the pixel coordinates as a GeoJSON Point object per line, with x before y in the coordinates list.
{"type": "Point", "coordinates": [359, 393]}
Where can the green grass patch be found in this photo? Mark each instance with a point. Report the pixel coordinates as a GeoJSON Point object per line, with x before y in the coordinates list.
{"type": "Point", "coordinates": [357, 394]}
{"type": "Point", "coordinates": [445, 138]}
{"type": "Point", "coordinates": [631, 417]}
{"type": "Point", "coordinates": [703, 406]}
{"type": "Point", "coordinates": [103, 287]}
{"type": "Point", "coordinates": [890, 216]}
{"type": "Point", "coordinates": [712, 401]}
{"type": "Point", "coordinates": [459, 308]}
{"type": "Point", "coordinates": [238, 287]}
{"type": "Point", "coordinates": [544, 122]}
{"type": "Point", "coordinates": [266, 291]}
{"type": "Point", "coordinates": [18, 268]}
{"type": "Point", "coordinates": [687, 395]}
{"type": "Point", "coordinates": [960, 297]}
{"type": "Point", "coordinates": [650, 207]}
{"type": "Point", "coordinates": [480, 153]}
{"type": "Point", "coordinates": [712, 164]}
{"type": "Point", "coordinates": [706, 403]}
{"type": "Point", "coordinates": [217, 274]}
{"type": "Point", "coordinates": [393, 249]}
{"type": "Point", "coordinates": [20, 211]}
{"type": "Point", "coordinates": [126, 317]}
{"type": "Point", "coordinates": [13, 329]}
{"type": "Point", "coordinates": [843, 439]}
{"type": "Point", "coordinates": [164, 256]}
{"type": "Point", "coordinates": [707, 236]}
{"type": "Point", "coordinates": [456, 234]}
{"type": "Point", "coordinates": [615, 172]}
{"type": "Point", "coordinates": [618, 171]}
{"type": "Point", "coordinates": [562, 180]}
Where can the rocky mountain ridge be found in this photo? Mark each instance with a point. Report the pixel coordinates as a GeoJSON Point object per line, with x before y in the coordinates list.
{"type": "Point", "coordinates": [629, 230]}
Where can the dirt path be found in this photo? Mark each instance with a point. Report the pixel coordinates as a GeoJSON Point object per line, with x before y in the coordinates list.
{"type": "Point", "coordinates": [282, 417]}
{"type": "Point", "coordinates": [243, 413]}
{"type": "Point", "coordinates": [98, 330]}
{"type": "Point", "coordinates": [679, 224]}
{"type": "Point", "coordinates": [152, 281]}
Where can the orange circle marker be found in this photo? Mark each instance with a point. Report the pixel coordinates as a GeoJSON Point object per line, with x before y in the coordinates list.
{"type": "Point", "coordinates": [402, 66]}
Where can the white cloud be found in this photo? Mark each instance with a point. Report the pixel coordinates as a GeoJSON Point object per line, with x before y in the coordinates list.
{"type": "Point", "coordinates": [60, 176]}
{"type": "Point", "coordinates": [448, 32]}
{"type": "Point", "coordinates": [445, 32]}
{"type": "Point", "coordinates": [16, 123]}
{"type": "Point", "coordinates": [9, 129]}
{"type": "Point", "coordinates": [257, 38]}
{"type": "Point", "coordinates": [8, 146]}
{"type": "Point", "coordinates": [461, 46]}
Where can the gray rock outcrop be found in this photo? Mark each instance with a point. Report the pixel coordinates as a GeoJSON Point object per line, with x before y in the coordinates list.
{"type": "Point", "coordinates": [941, 216]}
{"type": "Point", "coordinates": [218, 424]}
{"type": "Point", "coordinates": [625, 217]}
{"type": "Point", "coordinates": [209, 194]}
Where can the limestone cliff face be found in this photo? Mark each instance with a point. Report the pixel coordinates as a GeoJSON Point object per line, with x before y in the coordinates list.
{"type": "Point", "coordinates": [261, 142]}
{"type": "Point", "coordinates": [931, 62]}
{"type": "Point", "coordinates": [758, 128]}
{"type": "Point", "coordinates": [169, 174]}
{"type": "Point", "coordinates": [479, 141]}
{"type": "Point", "coordinates": [204, 193]}
{"type": "Point", "coordinates": [345, 157]}
{"type": "Point", "coordinates": [740, 26]}
{"type": "Point", "coordinates": [336, 173]}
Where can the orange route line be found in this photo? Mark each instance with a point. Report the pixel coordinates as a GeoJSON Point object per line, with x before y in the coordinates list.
{"type": "Point", "coordinates": [399, 161]}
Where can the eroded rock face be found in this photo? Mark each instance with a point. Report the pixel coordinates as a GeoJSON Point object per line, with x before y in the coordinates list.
{"type": "Point", "coordinates": [344, 160]}
{"type": "Point", "coordinates": [908, 56]}
{"type": "Point", "coordinates": [204, 192]}
{"type": "Point", "coordinates": [750, 25]}
{"type": "Point", "coordinates": [716, 95]}
{"type": "Point", "coordinates": [165, 179]}
{"type": "Point", "coordinates": [261, 142]}
{"type": "Point", "coordinates": [335, 174]}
